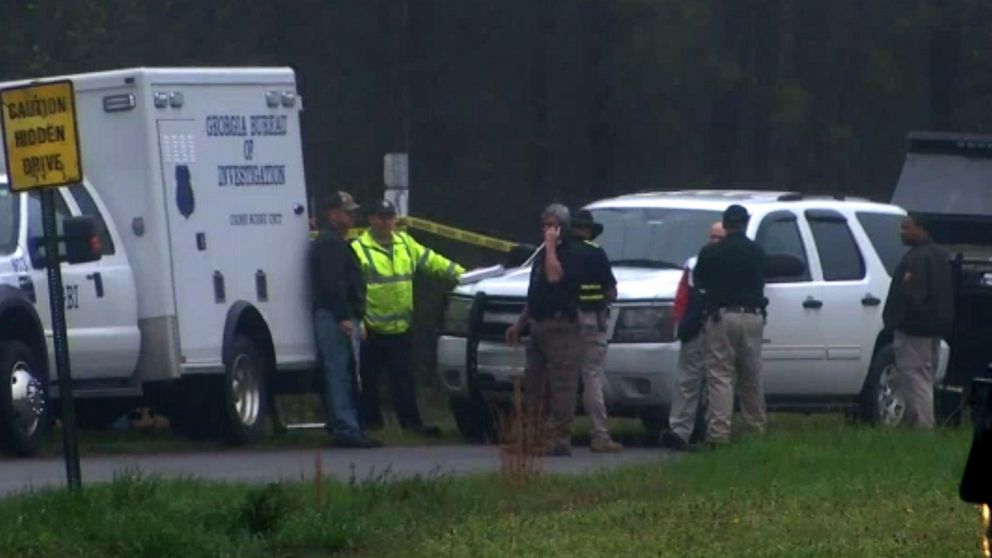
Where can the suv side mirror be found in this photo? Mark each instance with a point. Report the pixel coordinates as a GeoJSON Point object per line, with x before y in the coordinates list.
{"type": "Point", "coordinates": [78, 243]}
{"type": "Point", "coordinates": [783, 266]}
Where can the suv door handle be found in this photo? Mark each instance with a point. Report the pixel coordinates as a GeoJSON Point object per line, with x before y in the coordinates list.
{"type": "Point", "coordinates": [812, 303]}
{"type": "Point", "coordinates": [97, 283]}
{"type": "Point", "coordinates": [871, 300]}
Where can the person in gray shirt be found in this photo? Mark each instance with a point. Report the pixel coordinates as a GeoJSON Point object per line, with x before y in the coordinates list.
{"type": "Point", "coordinates": [919, 310]}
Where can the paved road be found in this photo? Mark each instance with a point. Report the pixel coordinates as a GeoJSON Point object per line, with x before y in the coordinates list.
{"type": "Point", "coordinates": [270, 465]}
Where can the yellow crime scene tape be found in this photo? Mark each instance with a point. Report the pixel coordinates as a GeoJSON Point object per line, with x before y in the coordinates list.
{"type": "Point", "coordinates": [460, 235]}
{"type": "Point", "coordinates": [444, 231]}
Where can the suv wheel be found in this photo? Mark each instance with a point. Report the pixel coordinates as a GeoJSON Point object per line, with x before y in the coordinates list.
{"type": "Point", "coordinates": [879, 403]}
{"type": "Point", "coordinates": [654, 421]}
{"type": "Point", "coordinates": [475, 419]}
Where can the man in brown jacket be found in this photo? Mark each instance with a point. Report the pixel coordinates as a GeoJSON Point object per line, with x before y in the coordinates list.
{"type": "Point", "coordinates": [920, 310]}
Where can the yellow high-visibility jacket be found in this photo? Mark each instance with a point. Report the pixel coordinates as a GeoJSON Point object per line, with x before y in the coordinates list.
{"type": "Point", "coordinates": [389, 273]}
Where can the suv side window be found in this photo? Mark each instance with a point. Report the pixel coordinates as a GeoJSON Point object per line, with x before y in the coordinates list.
{"type": "Point", "coordinates": [883, 232]}
{"type": "Point", "coordinates": [840, 257]}
{"type": "Point", "coordinates": [88, 208]}
{"type": "Point", "coordinates": [779, 234]}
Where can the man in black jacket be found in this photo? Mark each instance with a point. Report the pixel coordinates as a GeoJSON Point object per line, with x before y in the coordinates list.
{"type": "Point", "coordinates": [552, 375]}
{"type": "Point", "coordinates": [732, 274]}
{"type": "Point", "coordinates": [920, 310]}
{"type": "Point", "coordinates": [339, 304]}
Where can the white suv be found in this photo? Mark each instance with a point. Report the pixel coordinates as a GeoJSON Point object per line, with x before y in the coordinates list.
{"type": "Point", "coordinates": [824, 346]}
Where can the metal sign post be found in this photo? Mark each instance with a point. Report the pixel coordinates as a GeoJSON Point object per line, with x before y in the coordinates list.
{"type": "Point", "coordinates": [396, 176]}
{"type": "Point", "coordinates": [41, 144]}
{"type": "Point", "coordinates": [56, 297]}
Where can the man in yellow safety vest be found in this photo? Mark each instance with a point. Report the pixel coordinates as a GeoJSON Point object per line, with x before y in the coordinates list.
{"type": "Point", "coordinates": [389, 260]}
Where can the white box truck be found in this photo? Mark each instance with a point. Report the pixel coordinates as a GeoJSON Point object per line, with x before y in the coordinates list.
{"type": "Point", "coordinates": [199, 302]}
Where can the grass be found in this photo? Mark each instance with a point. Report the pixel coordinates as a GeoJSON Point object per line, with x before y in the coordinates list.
{"type": "Point", "coordinates": [155, 437]}
{"type": "Point", "coordinates": [812, 487]}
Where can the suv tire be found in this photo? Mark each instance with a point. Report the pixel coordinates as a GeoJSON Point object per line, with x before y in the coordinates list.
{"type": "Point", "coordinates": [878, 404]}
{"type": "Point", "coordinates": [654, 421]}
{"type": "Point", "coordinates": [474, 418]}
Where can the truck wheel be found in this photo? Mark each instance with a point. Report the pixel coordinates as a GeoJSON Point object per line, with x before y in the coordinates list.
{"type": "Point", "coordinates": [879, 404]}
{"type": "Point", "coordinates": [246, 401]}
{"type": "Point", "coordinates": [474, 419]}
{"type": "Point", "coordinates": [23, 399]}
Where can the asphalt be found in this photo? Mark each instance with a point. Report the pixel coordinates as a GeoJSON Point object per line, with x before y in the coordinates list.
{"type": "Point", "coordinates": [260, 466]}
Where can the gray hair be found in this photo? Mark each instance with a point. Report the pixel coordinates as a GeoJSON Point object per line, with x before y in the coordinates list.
{"type": "Point", "coordinates": [559, 212]}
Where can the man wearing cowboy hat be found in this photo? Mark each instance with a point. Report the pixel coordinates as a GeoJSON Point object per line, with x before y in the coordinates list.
{"type": "Point", "coordinates": [597, 288]}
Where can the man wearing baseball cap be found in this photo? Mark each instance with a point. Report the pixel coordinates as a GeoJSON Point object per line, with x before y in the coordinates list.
{"type": "Point", "coordinates": [731, 272]}
{"type": "Point", "coordinates": [389, 259]}
{"type": "Point", "coordinates": [339, 304]}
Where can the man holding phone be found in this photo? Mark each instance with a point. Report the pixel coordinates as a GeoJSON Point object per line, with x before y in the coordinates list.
{"type": "Point", "coordinates": [551, 314]}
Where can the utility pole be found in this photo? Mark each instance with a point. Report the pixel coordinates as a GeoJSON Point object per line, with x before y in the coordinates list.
{"type": "Point", "coordinates": [393, 119]}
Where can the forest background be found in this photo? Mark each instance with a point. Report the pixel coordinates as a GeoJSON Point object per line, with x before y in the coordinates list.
{"type": "Point", "coordinates": [506, 105]}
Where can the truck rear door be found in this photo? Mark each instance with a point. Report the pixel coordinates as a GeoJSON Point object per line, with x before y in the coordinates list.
{"type": "Point", "coordinates": [235, 199]}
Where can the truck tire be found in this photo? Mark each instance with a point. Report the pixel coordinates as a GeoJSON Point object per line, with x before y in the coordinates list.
{"type": "Point", "coordinates": [878, 404]}
{"type": "Point", "coordinates": [244, 394]}
{"type": "Point", "coordinates": [24, 406]}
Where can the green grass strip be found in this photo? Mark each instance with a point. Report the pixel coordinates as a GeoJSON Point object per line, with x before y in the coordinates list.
{"type": "Point", "coordinates": [809, 488]}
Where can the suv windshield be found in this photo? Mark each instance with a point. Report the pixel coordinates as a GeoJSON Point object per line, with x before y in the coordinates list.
{"type": "Point", "coordinates": [658, 237]}
{"type": "Point", "coordinates": [8, 219]}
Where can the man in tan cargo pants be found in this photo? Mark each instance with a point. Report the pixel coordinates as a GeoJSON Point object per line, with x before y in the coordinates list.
{"type": "Point", "coordinates": [552, 375]}
{"type": "Point", "coordinates": [732, 274]}
{"type": "Point", "coordinates": [690, 303]}
{"type": "Point", "coordinates": [597, 289]}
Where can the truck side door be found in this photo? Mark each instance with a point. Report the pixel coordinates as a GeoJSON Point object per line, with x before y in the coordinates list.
{"type": "Point", "coordinates": [101, 308]}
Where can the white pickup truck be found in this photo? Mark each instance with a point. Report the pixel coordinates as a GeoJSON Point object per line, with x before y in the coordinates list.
{"type": "Point", "coordinates": [824, 347]}
{"type": "Point", "coordinates": [199, 299]}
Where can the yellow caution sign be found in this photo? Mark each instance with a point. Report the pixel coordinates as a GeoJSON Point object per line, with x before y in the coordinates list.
{"type": "Point", "coordinates": [444, 231]}
{"type": "Point", "coordinates": [40, 139]}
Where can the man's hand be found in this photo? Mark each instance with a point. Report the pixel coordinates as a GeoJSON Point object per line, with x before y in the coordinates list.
{"type": "Point", "coordinates": [347, 328]}
{"type": "Point", "coordinates": [364, 332]}
{"type": "Point", "coordinates": [551, 237]}
{"type": "Point", "coordinates": [512, 335]}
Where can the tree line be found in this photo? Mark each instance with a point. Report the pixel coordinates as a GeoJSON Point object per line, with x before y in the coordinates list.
{"type": "Point", "coordinates": [506, 105]}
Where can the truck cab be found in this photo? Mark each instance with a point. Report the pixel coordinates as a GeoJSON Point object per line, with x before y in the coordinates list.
{"type": "Point", "coordinates": [824, 348]}
{"type": "Point", "coordinates": [100, 301]}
